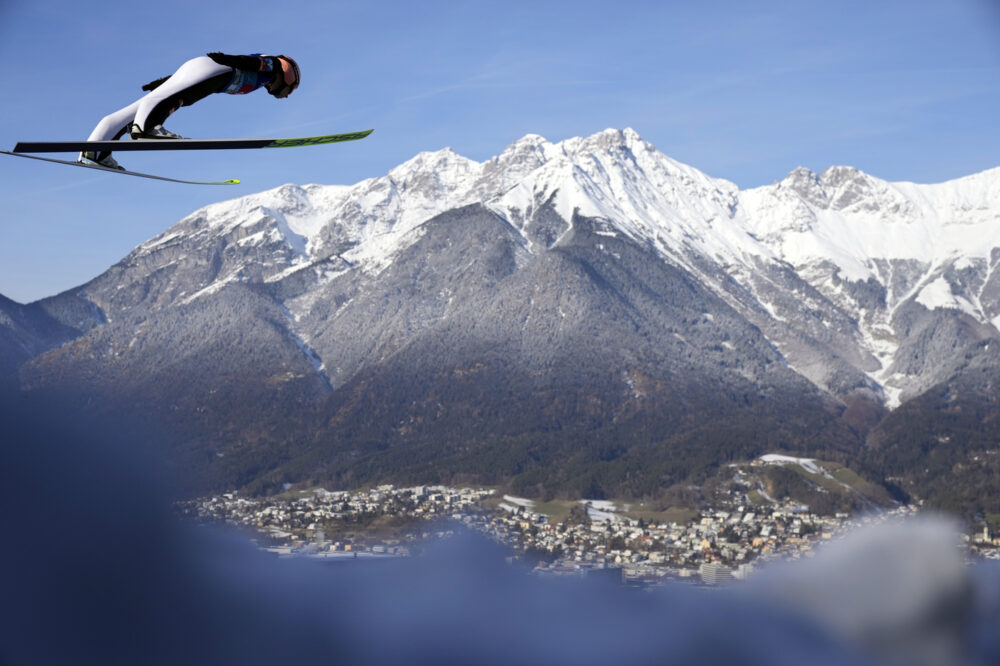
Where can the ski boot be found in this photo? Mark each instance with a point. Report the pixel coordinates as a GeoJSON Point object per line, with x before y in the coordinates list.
{"type": "Point", "coordinates": [156, 132]}
{"type": "Point", "coordinates": [92, 157]}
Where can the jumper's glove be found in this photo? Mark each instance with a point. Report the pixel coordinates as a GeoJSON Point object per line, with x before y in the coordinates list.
{"type": "Point", "coordinates": [153, 85]}
{"type": "Point", "coordinates": [243, 62]}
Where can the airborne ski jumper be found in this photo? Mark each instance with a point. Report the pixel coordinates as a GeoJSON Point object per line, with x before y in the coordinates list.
{"type": "Point", "coordinates": [193, 81]}
{"type": "Point", "coordinates": [196, 79]}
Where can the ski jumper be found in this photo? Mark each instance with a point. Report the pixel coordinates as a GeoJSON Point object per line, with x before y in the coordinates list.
{"type": "Point", "coordinates": [193, 81]}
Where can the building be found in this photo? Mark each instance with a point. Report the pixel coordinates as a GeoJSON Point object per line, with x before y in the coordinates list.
{"type": "Point", "coordinates": [713, 573]}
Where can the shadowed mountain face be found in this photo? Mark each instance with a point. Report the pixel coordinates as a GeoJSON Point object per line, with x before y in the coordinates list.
{"type": "Point", "coordinates": [588, 317]}
{"type": "Point", "coordinates": [27, 331]}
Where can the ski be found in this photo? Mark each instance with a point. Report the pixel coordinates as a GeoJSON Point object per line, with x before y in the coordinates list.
{"type": "Point", "coordinates": [231, 181]}
{"type": "Point", "coordinates": [182, 144]}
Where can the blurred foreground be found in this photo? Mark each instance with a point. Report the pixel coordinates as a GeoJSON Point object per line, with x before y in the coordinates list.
{"type": "Point", "coordinates": [95, 569]}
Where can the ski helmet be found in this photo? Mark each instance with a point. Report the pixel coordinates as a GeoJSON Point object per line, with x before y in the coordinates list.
{"type": "Point", "coordinates": [287, 80]}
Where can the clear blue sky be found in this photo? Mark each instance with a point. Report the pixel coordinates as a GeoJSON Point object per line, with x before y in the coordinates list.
{"type": "Point", "coordinates": [902, 89]}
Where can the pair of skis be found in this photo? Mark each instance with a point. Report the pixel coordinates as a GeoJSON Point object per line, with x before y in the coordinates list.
{"type": "Point", "coordinates": [24, 147]}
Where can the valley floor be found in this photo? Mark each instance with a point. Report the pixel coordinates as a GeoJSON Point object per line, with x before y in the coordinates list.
{"type": "Point", "coordinates": [711, 546]}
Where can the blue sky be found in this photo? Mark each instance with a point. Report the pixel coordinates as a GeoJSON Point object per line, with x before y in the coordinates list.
{"type": "Point", "coordinates": [905, 90]}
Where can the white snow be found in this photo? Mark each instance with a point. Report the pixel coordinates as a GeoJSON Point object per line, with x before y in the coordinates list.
{"type": "Point", "coordinates": [601, 510]}
{"type": "Point", "coordinates": [928, 223]}
{"type": "Point", "coordinates": [514, 504]}
{"type": "Point", "coordinates": [297, 240]}
{"type": "Point", "coordinates": [162, 239]}
{"type": "Point", "coordinates": [520, 501]}
{"type": "Point", "coordinates": [808, 464]}
{"type": "Point", "coordinates": [893, 395]}
{"type": "Point", "coordinates": [938, 294]}
{"type": "Point", "coordinates": [214, 287]}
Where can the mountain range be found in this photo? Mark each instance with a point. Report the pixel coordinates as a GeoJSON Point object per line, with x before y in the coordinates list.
{"type": "Point", "coordinates": [589, 317]}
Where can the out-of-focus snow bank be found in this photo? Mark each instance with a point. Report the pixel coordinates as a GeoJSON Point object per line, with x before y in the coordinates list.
{"type": "Point", "coordinates": [94, 569]}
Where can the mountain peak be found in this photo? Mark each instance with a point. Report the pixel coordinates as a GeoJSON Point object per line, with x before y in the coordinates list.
{"type": "Point", "coordinates": [609, 140]}
{"type": "Point", "coordinates": [612, 135]}
{"type": "Point", "coordinates": [807, 185]}
{"type": "Point", "coordinates": [838, 174]}
{"type": "Point", "coordinates": [844, 187]}
{"type": "Point", "coordinates": [438, 160]}
{"type": "Point", "coordinates": [524, 155]}
{"type": "Point", "coordinates": [529, 140]}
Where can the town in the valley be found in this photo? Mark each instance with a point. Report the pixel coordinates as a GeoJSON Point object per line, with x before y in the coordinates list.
{"type": "Point", "coordinates": [714, 545]}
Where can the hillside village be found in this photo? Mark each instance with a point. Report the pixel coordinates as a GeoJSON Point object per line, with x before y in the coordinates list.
{"type": "Point", "coordinates": [716, 545]}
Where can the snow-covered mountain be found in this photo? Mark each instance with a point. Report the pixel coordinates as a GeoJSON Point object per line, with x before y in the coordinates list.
{"type": "Point", "coordinates": [838, 287]}
{"type": "Point", "coordinates": [841, 270]}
